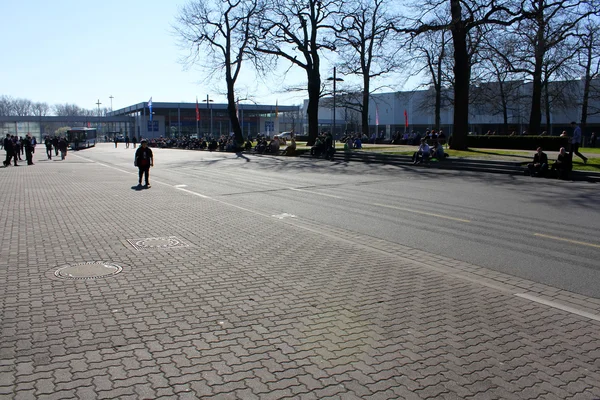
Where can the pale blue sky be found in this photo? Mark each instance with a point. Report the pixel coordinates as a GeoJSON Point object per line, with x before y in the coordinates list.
{"type": "Point", "coordinates": [79, 51]}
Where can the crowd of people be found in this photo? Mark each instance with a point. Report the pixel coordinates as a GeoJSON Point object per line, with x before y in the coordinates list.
{"type": "Point", "coordinates": [17, 146]}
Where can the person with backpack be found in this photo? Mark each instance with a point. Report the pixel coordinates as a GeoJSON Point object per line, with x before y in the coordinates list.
{"type": "Point", "coordinates": [144, 160]}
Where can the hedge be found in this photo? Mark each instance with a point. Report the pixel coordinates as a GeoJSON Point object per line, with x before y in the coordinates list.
{"type": "Point", "coordinates": [550, 143]}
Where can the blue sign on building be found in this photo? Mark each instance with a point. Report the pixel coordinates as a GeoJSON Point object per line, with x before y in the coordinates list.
{"type": "Point", "coordinates": [269, 126]}
{"type": "Point", "coordinates": [153, 126]}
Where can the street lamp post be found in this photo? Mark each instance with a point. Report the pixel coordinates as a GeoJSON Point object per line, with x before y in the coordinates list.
{"type": "Point", "coordinates": [111, 97]}
{"type": "Point", "coordinates": [208, 101]}
{"type": "Point", "coordinates": [98, 124]}
{"type": "Point", "coordinates": [335, 79]}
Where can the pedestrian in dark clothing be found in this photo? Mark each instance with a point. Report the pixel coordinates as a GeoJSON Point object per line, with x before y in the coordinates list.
{"type": "Point", "coordinates": [55, 145]}
{"type": "Point", "coordinates": [48, 143]}
{"type": "Point", "coordinates": [144, 160]}
{"type": "Point", "coordinates": [539, 166]}
{"type": "Point", "coordinates": [116, 141]}
{"type": "Point", "coordinates": [28, 150]}
{"type": "Point", "coordinates": [62, 146]}
{"type": "Point", "coordinates": [17, 148]}
{"type": "Point", "coordinates": [127, 141]}
{"type": "Point", "coordinates": [9, 148]}
{"type": "Point", "coordinates": [134, 141]}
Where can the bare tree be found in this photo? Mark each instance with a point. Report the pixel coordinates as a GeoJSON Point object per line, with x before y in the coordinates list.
{"type": "Point", "coordinates": [6, 105]}
{"type": "Point", "coordinates": [544, 45]}
{"type": "Point", "coordinates": [22, 107]}
{"type": "Point", "coordinates": [68, 110]}
{"type": "Point", "coordinates": [219, 34]}
{"type": "Point", "coordinates": [297, 31]}
{"type": "Point", "coordinates": [40, 109]}
{"type": "Point", "coordinates": [466, 16]}
{"type": "Point", "coordinates": [589, 60]}
{"type": "Point", "coordinates": [430, 50]}
{"type": "Point", "coordinates": [501, 94]}
{"type": "Point", "coordinates": [363, 32]}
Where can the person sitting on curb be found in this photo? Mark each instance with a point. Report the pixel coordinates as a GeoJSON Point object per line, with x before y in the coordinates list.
{"type": "Point", "coordinates": [563, 165]}
{"type": "Point", "coordinates": [539, 166]}
{"type": "Point", "coordinates": [438, 152]}
{"type": "Point", "coordinates": [290, 150]}
{"type": "Point", "coordinates": [422, 153]}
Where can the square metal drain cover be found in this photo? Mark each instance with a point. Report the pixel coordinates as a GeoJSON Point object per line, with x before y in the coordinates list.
{"type": "Point", "coordinates": [168, 242]}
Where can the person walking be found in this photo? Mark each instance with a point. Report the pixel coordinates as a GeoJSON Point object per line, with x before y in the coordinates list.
{"type": "Point", "coordinates": [9, 148]}
{"type": "Point", "coordinates": [17, 148]}
{"type": "Point", "coordinates": [134, 141]}
{"type": "Point", "coordinates": [62, 145]}
{"type": "Point", "coordinates": [55, 145]}
{"type": "Point", "coordinates": [48, 143]}
{"type": "Point", "coordinates": [116, 141]}
{"type": "Point", "coordinates": [144, 160]}
{"type": "Point", "coordinates": [28, 145]}
{"type": "Point", "coordinates": [126, 141]}
{"type": "Point", "coordinates": [576, 142]}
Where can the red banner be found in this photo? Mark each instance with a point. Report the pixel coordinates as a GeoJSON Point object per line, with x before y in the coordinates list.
{"type": "Point", "coordinates": [405, 119]}
{"type": "Point", "coordinates": [197, 111]}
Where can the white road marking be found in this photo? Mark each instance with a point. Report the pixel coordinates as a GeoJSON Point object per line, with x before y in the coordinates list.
{"type": "Point", "coordinates": [567, 240]}
{"type": "Point", "coordinates": [284, 215]}
{"type": "Point", "coordinates": [180, 186]}
{"type": "Point", "coordinates": [191, 192]}
{"type": "Point", "coordinates": [320, 194]}
{"type": "Point", "coordinates": [423, 213]}
{"type": "Point", "coordinates": [559, 306]}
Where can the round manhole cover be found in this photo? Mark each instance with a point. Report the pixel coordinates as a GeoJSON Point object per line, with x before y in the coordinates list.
{"type": "Point", "coordinates": [88, 270]}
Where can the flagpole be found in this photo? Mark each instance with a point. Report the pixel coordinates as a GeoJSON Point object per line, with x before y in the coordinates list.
{"type": "Point", "coordinates": [197, 119]}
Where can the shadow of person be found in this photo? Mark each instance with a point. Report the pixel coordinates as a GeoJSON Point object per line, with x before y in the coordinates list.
{"type": "Point", "coordinates": [240, 155]}
{"type": "Point", "coordinates": [138, 187]}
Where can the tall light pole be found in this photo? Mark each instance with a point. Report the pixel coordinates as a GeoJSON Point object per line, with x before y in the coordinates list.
{"type": "Point", "coordinates": [111, 97]}
{"type": "Point", "coordinates": [98, 124]}
{"type": "Point", "coordinates": [335, 79]}
{"type": "Point", "coordinates": [208, 101]}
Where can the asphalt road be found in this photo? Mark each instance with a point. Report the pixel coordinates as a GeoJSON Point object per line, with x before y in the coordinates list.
{"type": "Point", "coordinates": [542, 230]}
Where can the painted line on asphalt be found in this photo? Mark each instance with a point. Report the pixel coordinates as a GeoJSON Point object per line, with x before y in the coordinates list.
{"type": "Point", "coordinates": [559, 306]}
{"type": "Point", "coordinates": [320, 194]}
{"type": "Point", "coordinates": [191, 192]}
{"type": "Point", "coordinates": [567, 240]}
{"type": "Point", "coordinates": [423, 213]}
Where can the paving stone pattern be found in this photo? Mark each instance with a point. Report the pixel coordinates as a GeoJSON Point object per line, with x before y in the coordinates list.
{"type": "Point", "coordinates": [255, 308]}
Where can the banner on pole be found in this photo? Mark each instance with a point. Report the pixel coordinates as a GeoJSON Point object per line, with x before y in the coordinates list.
{"type": "Point", "coordinates": [197, 110]}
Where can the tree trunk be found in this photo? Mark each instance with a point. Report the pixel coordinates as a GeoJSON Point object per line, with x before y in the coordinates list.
{"type": "Point", "coordinates": [438, 105]}
{"type": "Point", "coordinates": [365, 106]}
{"type": "Point", "coordinates": [535, 115]}
{"type": "Point", "coordinates": [586, 86]}
{"type": "Point", "coordinates": [547, 106]}
{"type": "Point", "coordinates": [462, 72]}
{"type": "Point", "coordinates": [232, 112]}
{"type": "Point", "coordinates": [314, 92]}
{"type": "Point", "coordinates": [438, 88]}
{"type": "Point", "coordinates": [504, 102]}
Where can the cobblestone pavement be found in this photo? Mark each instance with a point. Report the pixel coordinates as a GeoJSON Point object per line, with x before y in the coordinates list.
{"type": "Point", "coordinates": [254, 307]}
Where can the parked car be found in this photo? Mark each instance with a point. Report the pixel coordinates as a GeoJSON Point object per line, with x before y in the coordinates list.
{"type": "Point", "coordinates": [285, 135]}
